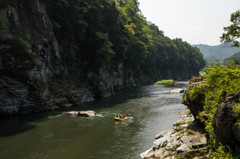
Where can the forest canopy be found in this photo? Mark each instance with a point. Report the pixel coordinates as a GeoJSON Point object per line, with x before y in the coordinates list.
{"type": "Point", "coordinates": [104, 33]}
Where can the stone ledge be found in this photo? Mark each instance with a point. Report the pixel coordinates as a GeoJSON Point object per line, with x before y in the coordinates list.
{"type": "Point", "coordinates": [186, 138]}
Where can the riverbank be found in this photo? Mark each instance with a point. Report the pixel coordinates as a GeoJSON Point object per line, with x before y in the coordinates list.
{"type": "Point", "coordinates": [187, 139]}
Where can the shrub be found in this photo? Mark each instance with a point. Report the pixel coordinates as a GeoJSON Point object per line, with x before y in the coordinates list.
{"type": "Point", "coordinates": [236, 110]}
{"type": "Point", "coordinates": [222, 152]}
{"type": "Point", "coordinates": [164, 82]}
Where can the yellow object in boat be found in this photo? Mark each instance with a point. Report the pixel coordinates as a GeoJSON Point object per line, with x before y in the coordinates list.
{"type": "Point", "coordinates": [120, 119]}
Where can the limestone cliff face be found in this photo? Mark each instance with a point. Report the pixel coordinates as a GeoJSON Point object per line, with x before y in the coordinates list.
{"type": "Point", "coordinates": [30, 60]}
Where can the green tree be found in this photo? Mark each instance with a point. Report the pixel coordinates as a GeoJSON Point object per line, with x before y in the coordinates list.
{"type": "Point", "coordinates": [99, 33]}
{"type": "Point", "coordinates": [232, 31]}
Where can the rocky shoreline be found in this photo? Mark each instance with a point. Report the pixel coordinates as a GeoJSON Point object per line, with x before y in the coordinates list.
{"type": "Point", "coordinates": [187, 139]}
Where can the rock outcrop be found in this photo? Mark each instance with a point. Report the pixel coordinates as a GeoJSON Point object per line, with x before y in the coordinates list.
{"type": "Point", "coordinates": [187, 139]}
{"type": "Point", "coordinates": [26, 58]}
{"type": "Point", "coordinates": [88, 113]}
{"type": "Point", "coordinates": [179, 90]}
{"type": "Point", "coordinates": [194, 101]}
{"type": "Point", "coordinates": [32, 74]}
{"type": "Point", "coordinates": [226, 124]}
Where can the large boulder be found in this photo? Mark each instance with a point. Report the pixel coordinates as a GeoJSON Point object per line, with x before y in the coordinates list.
{"type": "Point", "coordinates": [148, 154]}
{"type": "Point", "coordinates": [178, 90]}
{"type": "Point", "coordinates": [88, 113]}
{"type": "Point", "coordinates": [225, 124]}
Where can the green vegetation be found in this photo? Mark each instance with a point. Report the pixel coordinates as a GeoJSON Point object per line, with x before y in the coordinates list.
{"type": "Point", "coordinates": [164, 82]}
{"type": "Point", "coordinates": [221, 81]}
{"type": "Point", "coordinates": [20, 50]}
{"type": "Point", "coordinates": [190, 132]}
{"type": "Point", "coordinates": [235, 58]}
{"type": "Point", "coordinates": [222, 152]}
{"type": "Point", "coordinates": [233, 31]}
{"type": "Point", "coordinates": [110, 32]}
{"type": "Point", "coordinates": [236, 110]}
{"type": "Point", "coordinates": [212, 54]}
{"type": "Point", "coordinates": [93, 35]}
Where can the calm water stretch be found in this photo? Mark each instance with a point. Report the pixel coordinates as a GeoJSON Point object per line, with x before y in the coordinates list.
{"type": "Point", "coordinates": [54, 135]}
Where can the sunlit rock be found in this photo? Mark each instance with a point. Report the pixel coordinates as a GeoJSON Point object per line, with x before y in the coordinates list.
{"type": "Point", "coordinates": [179, 90]}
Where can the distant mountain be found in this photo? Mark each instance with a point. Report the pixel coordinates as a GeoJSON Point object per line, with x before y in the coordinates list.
{"type": "Point", "coordinates": [217, 52]}
{"type": "Point", "coordinates": [235, 58]}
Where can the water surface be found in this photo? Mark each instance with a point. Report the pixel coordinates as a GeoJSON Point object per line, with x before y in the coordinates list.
{"type": "Point", "coordinates": [54, 135]}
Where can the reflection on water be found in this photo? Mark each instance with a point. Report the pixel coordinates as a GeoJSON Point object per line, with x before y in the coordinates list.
{"type": "Point", "coordinates": [54, 135]}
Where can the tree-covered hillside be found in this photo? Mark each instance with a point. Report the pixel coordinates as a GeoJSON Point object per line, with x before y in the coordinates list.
{"type": "Point", "coordinates": [235, 58]}
{"type": "Point", "coordinates": [217, 53]}
{"type": "Point", "coordinates": [97, 33]}
{"type": "Point", "coordinates": [60, 51]}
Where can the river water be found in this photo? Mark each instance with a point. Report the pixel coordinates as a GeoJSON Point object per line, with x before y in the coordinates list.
{"type": "Point", "coordinates": [54, 135]}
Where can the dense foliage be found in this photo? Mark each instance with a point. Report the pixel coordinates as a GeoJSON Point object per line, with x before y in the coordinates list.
{"type": "Point", "coordinates": [221, 81]}
{"type": "Point", "coordinates": [164, 82]}
{"type": "Point", "coordinates": [106, 33]}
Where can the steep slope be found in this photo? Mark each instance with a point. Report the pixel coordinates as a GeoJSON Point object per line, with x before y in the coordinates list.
{"type": "Point", "coordinates": [214, 101]}
{"type": "Point", "coordinates": [60, 53]}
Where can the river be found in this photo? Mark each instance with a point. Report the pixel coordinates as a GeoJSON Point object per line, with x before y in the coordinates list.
{"type": "Point", "coordinates": [54, 135]}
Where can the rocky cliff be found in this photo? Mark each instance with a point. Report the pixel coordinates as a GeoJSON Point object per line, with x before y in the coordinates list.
{"type": "Point", "coordinates": [200, 135]}
{"type": "Point", "coordinates": [59, 53]}
{"type": "Point", "coordinates": [32, 74]}
{"type": "Point", "coordinates": [223, 126]}
{"type": "Point", "coordinates": [226, 123]}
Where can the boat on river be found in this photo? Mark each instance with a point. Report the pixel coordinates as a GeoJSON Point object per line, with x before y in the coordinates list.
{"type": "Point", "coordinates": [120, 119]}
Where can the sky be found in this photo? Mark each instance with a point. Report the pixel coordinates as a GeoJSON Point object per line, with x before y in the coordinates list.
{"type": "Point", "coordinates": [194, 21]}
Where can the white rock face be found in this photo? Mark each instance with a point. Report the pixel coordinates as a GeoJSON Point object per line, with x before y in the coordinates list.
{"type": "Point", "coordinates": [148, 154]}
{"type": "Point", "coordinates": [88, 113]}
{"type": "Point", "coordinates": [73, 113]}
{"type": "Point", "coordinates": [179, 90]}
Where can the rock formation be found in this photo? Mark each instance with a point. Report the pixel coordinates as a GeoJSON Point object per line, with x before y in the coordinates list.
{"type": "Point", "coordinates": [88, 113]}
{"type": "Point", "coordinates": [194, 101]}
{"type": "Point", "coordinates": [178, 90]}
{"type": "Point", "coordinates": [185, 140]}
{"type": "Point", "coordinates": [32, 75]}
{"type": "Point", "coordinates": [226, 124]}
